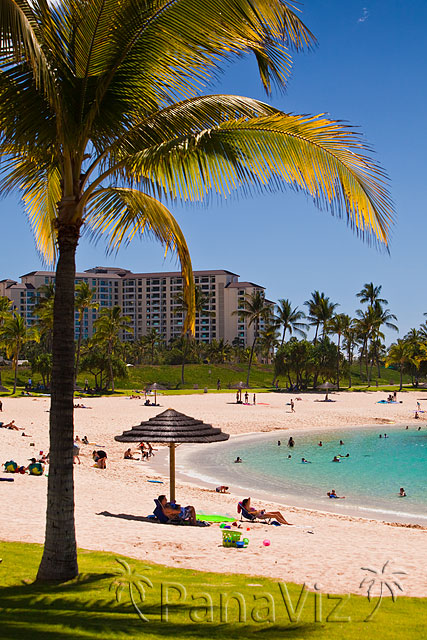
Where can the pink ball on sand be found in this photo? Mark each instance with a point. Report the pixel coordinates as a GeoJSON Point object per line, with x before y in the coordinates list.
{"type": "Point", "coordinates": [266, 543]}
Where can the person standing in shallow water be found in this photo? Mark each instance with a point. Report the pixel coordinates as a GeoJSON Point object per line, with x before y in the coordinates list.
{"type": "Point", "coordinates": [291, 442]}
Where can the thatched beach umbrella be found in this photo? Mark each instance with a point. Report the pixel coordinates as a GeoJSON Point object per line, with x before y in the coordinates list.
{"type": "Point", "coordinates": [327, 386]}
{"type": "Point", "coordinates": [155, 387]}
{"type": "Point", "coordinates": [172, 428]}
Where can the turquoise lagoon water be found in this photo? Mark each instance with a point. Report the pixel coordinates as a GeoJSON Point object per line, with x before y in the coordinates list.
{"type": "Point", "coordinates": [370, 477]}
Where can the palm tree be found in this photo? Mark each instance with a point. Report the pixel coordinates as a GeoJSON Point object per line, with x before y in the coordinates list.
{"type": "Point", "coordinates": [150, 341]}
{"type": "Point", "coordinates": [219, 351]}
{"type": "Point", "coordinates": [268, 341]}
{"type": "Point", "coordinates": [313, 311]}
{"type": "Point", "coordinates": [338, 325]}
{"type": "Point", "coordinates": [83, 301]}
{"type": "Point", "coordinates": [290, 319]}
{"type": "Point", "coordinates": [201, 301]}
{"type": "Point", "coordinates": [14, 334]}
{"type": "Point", "coordinates": [109, 325]}
{"type": "Point", "coordinates": [255, 309]}
{"type": "Point", "coordinates": [320, 312]}
{"type": "Point", "coordinates": [44, 311]}
{"type": "Point", "coordinates": [371, 294]}
{"type": "Point", "coordinates": [101, 115]}
{"type": "Point", "coordinates": [5, 309]}
{"type": "Point", "coordinates": [350, 339]}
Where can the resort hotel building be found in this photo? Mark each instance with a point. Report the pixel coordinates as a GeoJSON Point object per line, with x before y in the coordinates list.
{"type": "Point", "coordinates": [150, 301]}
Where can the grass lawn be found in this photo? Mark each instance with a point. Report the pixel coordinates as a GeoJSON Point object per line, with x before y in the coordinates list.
{"type": "Point", "coordinates": [99, 604]}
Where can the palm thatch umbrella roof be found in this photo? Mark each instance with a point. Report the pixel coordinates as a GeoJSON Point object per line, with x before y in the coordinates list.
{"type": "Point", "coordinates": [172, 428]}
{"type": "Point", "coordinates": [327, 385]}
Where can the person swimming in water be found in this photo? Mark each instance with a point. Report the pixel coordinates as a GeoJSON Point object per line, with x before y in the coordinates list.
{"type": "Point", "coordinates": [332, 494]}
{"type": "Point", "coordinates": [402, 493]}
{"type": "Point", "coordinates": [336, 459]}
{"type": "Point", "coordinates": [291, 442]}
{"type": "Point", "coordinates": [320, 443]}
{"type": "Point", "coordinates": [304, 461]}
{"type": "Point", "coordinates": [238, 459]}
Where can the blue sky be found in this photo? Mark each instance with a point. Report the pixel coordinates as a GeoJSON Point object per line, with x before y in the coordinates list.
{"type": "Point", "coordinates": [367, 69]}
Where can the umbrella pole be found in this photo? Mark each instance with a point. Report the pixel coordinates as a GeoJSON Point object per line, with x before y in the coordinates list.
{"type": "Point", "coordinates": [172, 471]}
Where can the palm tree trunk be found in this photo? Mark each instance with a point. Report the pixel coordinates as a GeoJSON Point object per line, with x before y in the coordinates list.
{"type": "Point", "coordinates": [110, 367]}
{"type": "Point", "coordinates": [15, 380]}
{"type": "Point", "coordinates": [59, 561]}
{"type": "Point", "coordinates": [250, 362]}
{"type": "Point", "coordinates": [338, 363]}
{"type": "Point", "coordinates": [401, 378]}
{"type": "Point", "coordinates": [283, 336]}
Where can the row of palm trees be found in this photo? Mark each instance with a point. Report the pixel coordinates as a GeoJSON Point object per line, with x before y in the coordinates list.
{"type": "Point", "coordinates": [272, 327]}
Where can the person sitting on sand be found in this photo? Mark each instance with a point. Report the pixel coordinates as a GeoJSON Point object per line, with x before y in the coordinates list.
{"type": "Point", "coordinates": [402, 493]}
{"type": "Point", "coordinates": [238, 460]}
{"type": "Point", "coordinates": [128, 455]}
{"type": "Point", "coordinates": [336, 459]}
{"type": "Point", "coordinates": [332, 494]}
{"type": "Point", "coordinates": [222, 489]}
{"type": "Point", "coordinates": [175, 510]}
{"type": "Point", "coordinates": [262, 513]}
{"type": "Point", "coordinates": [100, 458]}
{"type": "Point", "coordinates": [85, 440]}
{"type": "Point", "coordinates": [147, 403]}
{"type": "Point", "coordinates": [35, 468]}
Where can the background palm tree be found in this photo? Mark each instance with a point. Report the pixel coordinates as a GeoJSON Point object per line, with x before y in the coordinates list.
{"type": "Point", "coordinates": [109, 325]}
{"type": "Point", "coordinates": [83, 301]}
{"type": "Point", "coordinates": [5, 310]}
{"type": "Point", "coordinates": [255, 309]}
{"type": "Point", "coordinates": [338, 325]}
{"type": "Point", "coordinates": [371, 294]}
{"type": "Point", "coordinates": [14, 335]}
{"type": "Point", "coordinates": [201, 303]}
{"type": "Point", "coordinates": [350, 339]}
{"type": "Point", "coordinates": [320, 312]}
{"type": "Point", "coordinates": [150, 341]}
{"type": "Point", "coordinates": [268, 341]}
{"type": "Point", "coordinates": [290, 319]}
{"type": "Point", "coordinates": [101, 99]}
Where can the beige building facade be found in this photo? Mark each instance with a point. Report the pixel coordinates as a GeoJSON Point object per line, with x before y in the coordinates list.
{"type": "Point", "coordinates": [150, 301]}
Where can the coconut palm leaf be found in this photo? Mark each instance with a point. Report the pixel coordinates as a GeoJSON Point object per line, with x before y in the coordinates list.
{"type": "Point", "coordinates": [120, 214]}
{"type": "Point", "coordinates": [270, 153]}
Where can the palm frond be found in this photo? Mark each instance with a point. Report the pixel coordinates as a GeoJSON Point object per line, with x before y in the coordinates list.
{"type": "Point", "coordinates": [41, 207]}
{"type": "Point", "coordinates": [159, 51]}
{"type": "Point", "coordinates": [121, 214]}
{"type": "Point", "coordinates": [22, 39]}
{"type": "Point", "coordinates": [324, 158]}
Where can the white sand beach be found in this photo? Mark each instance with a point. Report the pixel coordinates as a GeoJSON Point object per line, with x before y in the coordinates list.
{"type": "Point", "coordinates": [110, 503]}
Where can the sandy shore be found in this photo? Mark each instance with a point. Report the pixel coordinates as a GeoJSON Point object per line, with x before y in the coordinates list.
{"type": "Point", "coordinates": [111, 503]}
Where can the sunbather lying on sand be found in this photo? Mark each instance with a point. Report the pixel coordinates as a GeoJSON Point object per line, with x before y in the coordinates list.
{"type": "Point", "coordinates": [262, 513]}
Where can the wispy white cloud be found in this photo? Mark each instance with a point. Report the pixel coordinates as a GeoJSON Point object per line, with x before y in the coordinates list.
{"type": "Point", "coordinates": [364, 16]}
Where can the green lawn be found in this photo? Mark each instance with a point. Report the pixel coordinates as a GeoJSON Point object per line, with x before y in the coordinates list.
{"type": "Point", "coordinates": [205, 375]}
{"type": "Point", "coordinates": [201, 605]}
